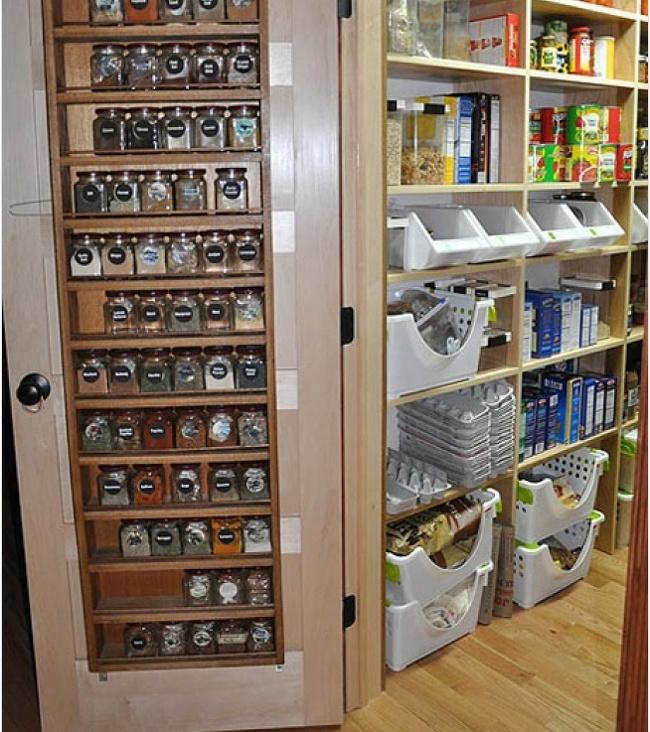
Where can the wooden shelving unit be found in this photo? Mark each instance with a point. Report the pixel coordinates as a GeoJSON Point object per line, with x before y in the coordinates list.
{"type": "Point", "coordinates": [118, 590]}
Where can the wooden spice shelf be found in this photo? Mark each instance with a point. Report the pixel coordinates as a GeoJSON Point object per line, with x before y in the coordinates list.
{"type": "Point", "coordinates": [165, 95]}
{"type": "Point", "coordinates": [173, 399]}
{"type": "Point", "coordinates": [112, 659]}
{"type": "Point", "coordinates": [170, 608]}
{"type": "Point", "coordinates": [155, 31]}
{"type": "Point", "coordinates": [636, 334]}
{"type": "Point", "coordinates": [144, 223]}
{"type": "Point", "coordinates": [176, 511]}
{"type": "Point", "coordinates": [139, 282]}
{"type": "Point", "coordinates": [196, 159]}
{"type": "Point", "coordinates": [169, 457]}
{"type": "Point", "coordinates": [167, 341]}
{"type": "Point", "coordinates": [115, 563]}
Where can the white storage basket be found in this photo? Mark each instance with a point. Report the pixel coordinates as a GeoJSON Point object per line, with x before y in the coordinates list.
{"type": "Point", "coordinates": [536, 576]}
{"type": "Point", "coordinates": [601, 228]}
{"type": "Point", "coordinates": [416, 577]}
{"type": "Point", "coordinates": [556, 226]}
{"type": "Point", "coordinates": [507, 232]}
{"type": "Point", "coordinates": [413, 366]}
{"type": "Point", "coordinates": [627, 471]}
{"type": "Point", "coordinates": [540, 513]}
{"type": "Point", "coordinates": [623, 518]}
{"type": "Point", "coordinates": [639, 225]}
{"type": "Point", "coordinates": [411, 636]}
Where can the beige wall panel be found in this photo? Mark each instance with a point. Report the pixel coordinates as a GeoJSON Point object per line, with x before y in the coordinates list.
{"type": "Point", "coordinates": [284, 293]}
{"type": "Point", "coordinates": [280, 21]}
{"type": "Point", "coordinates": [288, 462]}
{"type": "Point", "coordinates": [282, 148]}
{"type": "Point", "coordinates": [292, 586]}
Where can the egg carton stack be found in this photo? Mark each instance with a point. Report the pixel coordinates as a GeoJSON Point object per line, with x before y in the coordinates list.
{"type": "Point", "coordinates": [411, 482]}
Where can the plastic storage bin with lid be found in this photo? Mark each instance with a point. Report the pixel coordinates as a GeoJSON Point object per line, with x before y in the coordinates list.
{"type": "Point", "coordinates": [629, 444]}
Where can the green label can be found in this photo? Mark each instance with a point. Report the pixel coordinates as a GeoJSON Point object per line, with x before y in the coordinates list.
{"type": "Point", "coordinates": [583, 124]}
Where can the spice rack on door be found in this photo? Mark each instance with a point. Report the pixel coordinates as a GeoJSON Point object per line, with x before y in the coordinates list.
{"type": "Point", "coordinates": [120, 591]}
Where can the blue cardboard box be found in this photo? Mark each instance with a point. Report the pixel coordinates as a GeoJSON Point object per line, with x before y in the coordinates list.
{"type": "Point", "coordinates": [569, 390]}
{"type": "Point", "coordinates": [544, 316]}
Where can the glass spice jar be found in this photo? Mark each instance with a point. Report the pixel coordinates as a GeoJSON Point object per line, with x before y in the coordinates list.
{"type": "Point", "coordinates": [148, 485]}
{"type": "Point", "coordinates": [85, 260]}
{"type": "Point", "coordinates": [175, 10]}
{"type": "Point", "coordinates": [217, 309]}
{"type": "Point", "coordinates": [209, 9]}
{"type": "Point", "coordinates": [197, 588]}
{"type": "Point", "coordinates": [251, 368]}
{"type": "Point", "coordinates": [209, 128]}
{"type": "Point", "coordinates": [152, 308]}
{"type": "Point", "coordinates": [184, 311]}
{"type": "Point", "coordinates": [173, 639]}
{"type": "Point", "coordinates": [107, 66]}
{"type": "Point", "coordinates": [218, 368]}
{"type": "Point", "coordinates": [159, 430]}
{"type": "Point", "coordinates": [190, 429]}
{"type": "Point", "coordinates": [229, 587]}
{"type": "Point", "coordinates": [91, 193]}
{"type": "Point", "coordinates": [106, 12]}
{"type": "Point", "coordinates": [231, 189]}
{"type": "Point", "coordinates": [124, 192]}
{"type": "Point", "coordinates": [109, 130]}
{"type": "Point", "coordinates": [248, 251]}
{"type": "Point", "coordinates": [186, 484]}
{"type": "Point", "coordinates": [209, 63]}
{"type": "Point", "coordinates": [142, 131]}
{"type": "Point", "coordinates": [222, 430]}
{"type": "Point", "coordinates": [260, 636]}
{"type": "Point", "coordinates": [142, 66]}
{"type": "Point", "coordinates": [92, 377]}
{"type": "Point", "coordinates": [96, 433]}
{"type": "Point", "coordinates": [252, 428]}
{"type": "Point", "coordinates": [157, 192]}
{"type": "Point", "coordinates": [113, 485]}
{"type": "Point", "coordinates": [222, 483]}
{"type": "Point", "coordinates": [242, 63]}
{"type": "Point", "coordinates": [242, 10]}
{"type": "Point", "coordinates": [175, 64]}
{"type": "Point", "coordinates": [244, 127]}
{"type": "Point", "coordinates": [117, 256]}
{"type": "Point", "coordinates": [166, 539]}
{"type": "Point", "coordinates": [119, 313]}
{"type": "Point", "coordinates": [197, 538]}
{"type": "Point", "coordinates": [141, 11]}
{"type": "Point", "coordinates": [226, 535]}
{"type": "Point", "coordinates": [202, 640]}
{"type": "Point", "coordinates": [150, 255]}
{"type": "Point", "coordinates": [188, 370]}
{"type": "Point", "coordinates": [215, 250]}
{"type": "Point", "coordinates": [140, 640]}
{"type": "Point", "coordinates": [176, 129]}
{"type": "Point", "coordinates": [190, 192]}
{"type": "Point", "coordinates": [249, 309]}
{"type": "Point", "coordinates": [232, 636]}
{"type": "Point", "coordinates": [127, 427]}
{"type": "Point", "coordinates": [259, 589]}
{"type": "Point", "coordinates": [257, 535]}
{"type": "Point", "coordinates": [156, 371]}
{"type": "Point", "coordinates": [134, 539]}
{"type": "Point", "coordinates": [123, 372]}
{"type": "Point", "coordinates": [182, 254]}
{"type": "Point", "coordinates": [254, 484]}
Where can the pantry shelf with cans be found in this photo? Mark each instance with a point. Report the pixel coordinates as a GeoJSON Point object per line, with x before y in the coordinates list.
{"type": "Point", "coordinates": [159, 118]}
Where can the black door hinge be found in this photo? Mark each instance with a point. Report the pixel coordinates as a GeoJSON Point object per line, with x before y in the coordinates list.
{"type": "Point", "coordinates": [347, 326]}
{"type": "Point", "coordinates": [349, 611]}
{"type": "Point", "coordinates": [344, 9]}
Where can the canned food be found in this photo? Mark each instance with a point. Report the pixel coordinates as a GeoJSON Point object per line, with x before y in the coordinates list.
{"type": "Point", "coordinates": [535, 127]}
{"type": "Point", "coordinates": [624, 162]}
{"type": "Point", "coordinates": [583, 164]}
{"type": "Point", "coordinates": [534, 59]}
{"type": "Point", "coordinates": [559, 30]}
{"type": "Point", "coordinates": [607, 162]}
{"type": "Point", "coordinates": [547, 163]}
{"type": "Point", "coordinates": [554, 125]}
{"type": "Point", "coordinates": [583, 124]}
{"type": "Point", "coordinates": [548, 54]}
{"type": "Point", "coordinates": [610, 124]}
{"type": "Point", "coordinates": [604, 57]}
{"type": "Point", "coordinates": [581, 51]}
{"type": "Point", "coordinates": [643, 69]}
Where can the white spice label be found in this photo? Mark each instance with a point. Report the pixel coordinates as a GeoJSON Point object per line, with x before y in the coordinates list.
{"type": "Point", "coordinates": [112, 487]}
{"type": "Point", "coordinates": [209, 68]}
{"type": "Point", "coordinates": [226, 536]}
{"type": "Point", "coordinates": [176, 128]}
{"type": "Point", "coordinates": [116, 255]}
{"type": "Point", "coordinates": [232, 190]}
{"type": "Point", "coordinates": [183, 313]}
{"type": "Point", "coordinates": [90, 193]}
{"type": "Point", "coordinates": [146, 486]}
{"type": "Point", "coordinates": [123, 192]}
{"type": "Point", "coordinates": [90, 374]}
{"type": "Point", "coordinates": [210, 127]}
{"type": "Point", "coordinates": [215, 254]}
{"type": "Point", "coordinates": [83, 256]}
{"type": "Point", "coordinates": [139, 4]}
{"type": "Point", "coordinates": [119, 314]}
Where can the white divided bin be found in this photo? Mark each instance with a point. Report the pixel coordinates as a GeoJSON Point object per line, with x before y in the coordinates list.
{"type": "Point", "coordinates": [413, 366]}
{"type": "Point", "coordinates": [556, 226]}
{"type": "Point", "coordinates": [601, 228]}
{"type": "Point", "coordinates": [539, 513]}
{"type": "Point", "coordinates": [536, 576]}
{"type": "Point", "coordinates": [434, 236]}
{"type": "Point", "coordinates": [410, 632]}
{"type": "Point", "coordinates": [507, 232]}
{"type": "Point", "coordinates": [639, 225]}
{"type": "Point", "coordinates": [629, 444]}
{"type": "Point", "coordinates": [623, 518]}
{"type": "Point", "coordinates": [416, 577]}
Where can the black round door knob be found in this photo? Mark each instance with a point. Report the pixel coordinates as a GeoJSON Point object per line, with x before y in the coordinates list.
{"type": "Point", "coordinates": [33, 388]}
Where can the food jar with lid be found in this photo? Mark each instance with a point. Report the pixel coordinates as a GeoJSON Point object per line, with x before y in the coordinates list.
{"type": "Point", "coordinates": [107, 66]}
{"type": "Point", "coordinates": [117, 256]}
{"type": "Point", "coordinates": [215, 250]}
{"type": "Point", "coordinates": [156, 371]}
{"type": "Point", "coordinates": [96, 431]}
{"type": "Point", "coordinates": [260, 636]}
{"type": "Point", "coordinates": [173, 639]}
{"type": "Point", "coordinates": [188, 370]}
{"type": "Point", "coordinates": [232, 636]}
{"type": "Point", "coordinates": [176, 128]}
{"type": "Point", "coordinates": [109, 130]}
{"type": "Point", "coordinates": [244, 127]}
{"type": "Point", "coordinates": [141, 11]}
{"type": "Point", "coordinates": [254, 483]}
{"type": "Point", "coordinates": [252, 428]}
{"type": "Point", "coordinates": [548, 58]}
{"type": "Point", "coordinates": [85, 259]}
{"type": "Point", "coordinates": [242, 63]}
{"type": "Point", "coordinates": [202, 640]}
{"type": "Point", "coordinates": [142, 70]}
{"type": "Point", "coordinates": [257, 535]}
{"type": "Point", "coordinates": [226, 535]}
{"type": "Point", "coordinates": [248, 251]}
{"type": "Point", "coordinates": [581, 51]}
{"type": "Point", "coordinates": [183, 254]}
{"type": "Point", "coordinates": [242, 10]}
{"type": "Point", "coordinates": [142, 129]}
{"type": "Point", "coordinates": [184, 311]}
{"type": "Point", "coordinates": [209, 128]}
{"type": "Point", "coordinates": [166, 539]}
{"type": "Point", "coordinates": [423, 144]}
{"type": "Point", "coordinates": [152, 308]}
{"type": "Point", "coordinates": [106, 12]}
{"type": "Point", "coordinates": [159, 430]}
{"type": "Point", "coordinates": [175, 10]}
{"type": "Point", "coordinates": [186, 483]}
{"type": "Point", "coordinates": [249, 309]}
{"type": "Point", "coordinates": [222, 429]}
{"type": "Point", "coordinates": [259, 586]}
{"type": "Point", "coordinates": [127, 427]}
{"type": "Point", "coordinates": [190, 429]}
{"type": "Point", "coordinates": [251, 367]}
{"type": "Point", "coordinates": [175, 64]}
{"type": "Point", "coordinates": [140, 641]}
{"type": "Point", "coordinates": [229, 587]}
{"type": "Point", "coordinates": [119, 313]}
{"type": "Point", "coordinates": [113, 485]}
{"type": "Point", "coordinates": [197, 587]}
{"type": "Point", "coordinates": [218, 368]}
{"type": "Point", "coordinates": [92, 375]}
{"type": "Point", "coordinates": [148, 485]}
{"type": "Point", "coordinates": [231, 189]}
{"type": "Point", "coordinates": [222, 483]}
{"type": "Point", "coordinates": [124, 192]}
{"type": "Point", "coordinates": [150, 255]}
{"type": "Point", "coordinates": [190, 190]}
{"type": "Point", "coordinates": [157, 192]}
{"type": "Point", "coordinates": [123, 371]}
{"type": "Point", "coordinates": [217, 309]}
{"type": "Point", "coordinates": [197, 538]}
{"type": "Point", "coordinates": [209, 63]}
{"type": "Point", "coordinates": [209, 9]}
{"type": "Point", "coordinates": [91, 193]}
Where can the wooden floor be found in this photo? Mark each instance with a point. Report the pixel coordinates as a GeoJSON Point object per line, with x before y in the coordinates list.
{"type": "Point", "coordinates": [553, 668]}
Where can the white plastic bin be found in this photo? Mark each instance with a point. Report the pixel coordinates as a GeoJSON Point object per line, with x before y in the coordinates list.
{"type": "Point", "coordinates": [537, 577]}
{"type": "Point", "coordinates": [411, 636]}
{"type": "Point", "coordinates": [639, 225]}
{"type": "Point", "coordinates": [623, 518]}
{"type": "Point", "coordinates": [556, 226]}
{"type": "Point", "coordinates": [413, 366]}
{"type": "Point", "coordinates": [601, 228]}
{"type": "Point", "coordinates": [627, 471]}
{"type": "Point", "coordinates": [416, 577]}
{"type": "Point", "coordinates": [539, 513]}
{"type": "Point", "coordinates": [507, 232]}
{"type": "Point", "coordinates": [434, 236]}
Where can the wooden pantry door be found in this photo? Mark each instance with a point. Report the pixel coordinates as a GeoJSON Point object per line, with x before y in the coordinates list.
{"type": "Point", "coordinates": [308, 688]}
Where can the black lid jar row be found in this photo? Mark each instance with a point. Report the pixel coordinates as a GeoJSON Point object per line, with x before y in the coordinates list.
{"type": "Point", "coordinates": [127, 12]}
